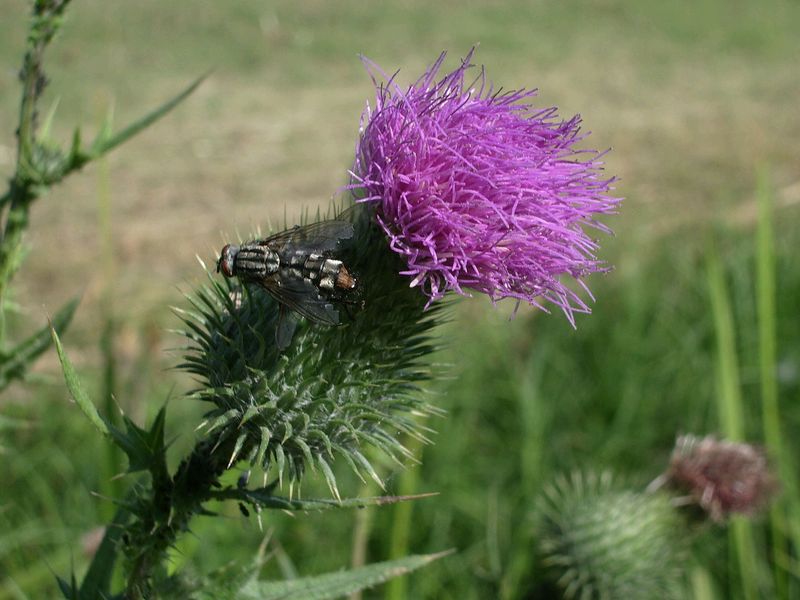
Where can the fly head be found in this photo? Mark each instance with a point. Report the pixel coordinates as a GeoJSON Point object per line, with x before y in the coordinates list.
{"type": "Point", "coordinates": [227, 258]}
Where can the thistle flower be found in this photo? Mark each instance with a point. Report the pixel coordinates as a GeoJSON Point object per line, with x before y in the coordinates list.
{"type": "Point", "coordinates": [477, 189]}
{"type": "Point", "coordinates": [722, 477]}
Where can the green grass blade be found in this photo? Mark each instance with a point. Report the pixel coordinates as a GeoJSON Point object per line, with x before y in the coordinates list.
{"type": "Point", "coordinates": [402, 525]}
{"type": "Point", "coordinates": [535, 419]}
{"type": "Point", "coordinates": [105, 142]}
{"type": "Point", "coordinates": [765, 296]}
{"type": "Point", "coordinates": [729, 397]}
{"type": "Point", "coordinates": [702, 584]}
{"type": "Point", "coordinates": [730, 410]}
{"type": "Point", "coordinates": [340, 583]}
{"type": "Point", "coordinates": [767, 358]}
{"type": "Point", "coordinates": [76, 388]}
{"type": "Point", "coordinates": [362, 528]}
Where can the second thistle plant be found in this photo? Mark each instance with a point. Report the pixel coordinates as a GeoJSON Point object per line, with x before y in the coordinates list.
{"type": "Point", "coordinates": [606, 542]}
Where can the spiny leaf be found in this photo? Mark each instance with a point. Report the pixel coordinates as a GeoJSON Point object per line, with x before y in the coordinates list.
{"type": "Point", "coordinates": [14, 364]}
{"type": "Point", "coordinates": [75, 154]}
{"type": "Point", "coordinates": [106, 129]}
{"type": "Point", "coordinates": [263, 444]}
{"type": "Point", "coordinates": [601, 540]}
{"type": "Point", "coordinates": [338, 584]}
{"type": "Point", "coordinates": [145, 448]}
{"type": "Point", "coordinates": [366, 465]}
{"type": "Point", "coordinates": [223, 419]}
{"type": "Point", "coordinates": [330, 478]}
{"type": "Point", "coordinates": [47, 124]}
{"type": "Point", "coordinates": [68, 588]}
{"type": "Point", "coordinates": [106, 142]}
{"type": "Point", "coordinates": [280, 463]}
{"type": "Point", "coordinates": [237, 448]}
{"type": "Point", "coordinates": [76, 388]}
{"type": "Point", "coordinates": [264, 498]}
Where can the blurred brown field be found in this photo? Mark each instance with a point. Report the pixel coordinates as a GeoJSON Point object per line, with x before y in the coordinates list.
{"type": "Point", "coordinates": [691, 97]}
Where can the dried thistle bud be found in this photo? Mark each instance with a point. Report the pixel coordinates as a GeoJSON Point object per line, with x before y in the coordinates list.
{"type": "Point", "coordinates": [721, 476]}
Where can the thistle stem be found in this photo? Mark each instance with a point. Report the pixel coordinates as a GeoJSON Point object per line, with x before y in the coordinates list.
{"type": "Point", "coordinates": [166, 514]}
{"type": "Point", "coordinates": [22, 190]}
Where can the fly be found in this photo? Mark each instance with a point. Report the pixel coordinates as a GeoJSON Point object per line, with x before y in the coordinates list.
{"type": "Point", "coordinates": [299, 268]}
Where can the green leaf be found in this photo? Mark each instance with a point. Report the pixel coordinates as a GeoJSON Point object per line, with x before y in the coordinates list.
{"type": "Point", "coordinates": [263, 497]}
{"type": "Point", "coordinates": [77, 157]}
{"type": "Point", "coordinates": [144, 448]}
{"type": "Point", "coordinates": [105, 142]}
{"type": "Point", "coordinates": [14, 364]}
{"type": "Point", "coordinates": [97, 582]}
{"type": "Point", "coordinates": [76, 388]}
{"type": "Point", "coordinates": [68, 588]}
{"type": "Point", "coordinates": [338, 584]}
{"type": "Point", "coordinates": [47, 124]}
{"type": "Point", "coordinates": [106, 130]}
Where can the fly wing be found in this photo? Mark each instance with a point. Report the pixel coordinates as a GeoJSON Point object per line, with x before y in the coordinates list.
{"type": "Point", "coordinates": [315, 237]}
{"type": "Point", "coordinates": [284, 332]}
{"type": "Point", "coordinates": [301, 296]}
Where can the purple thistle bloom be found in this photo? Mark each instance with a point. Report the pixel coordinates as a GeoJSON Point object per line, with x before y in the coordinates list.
{"type": "Point", "coordinates": [477, 189]}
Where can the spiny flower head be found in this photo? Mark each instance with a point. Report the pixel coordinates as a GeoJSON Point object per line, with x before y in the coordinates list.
{"type": "Point", "coordinates": [723, 477]}
{"type": "Point", "coordinates": [601, 540]}
{"type": "Point", "coordinates": [333, 390]}
{"type": "Point", "coordinates": [479, 190]}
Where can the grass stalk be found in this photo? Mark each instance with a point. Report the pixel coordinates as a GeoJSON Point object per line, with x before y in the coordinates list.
{"type": "Point", "coordinates": [535, 421]}
{"type": "Point", "coordinates": [731, 413]}
{"type": "Point", "coordinates": [767, 354]}
{"type": "Point", "coordinates": [361, 531]}
{"type": "Point", "coordinates": [785, 515]}
{"type": "Point", "coordinates": [701, 583]}
{"type": "Point", "coordinates": [397, 588]}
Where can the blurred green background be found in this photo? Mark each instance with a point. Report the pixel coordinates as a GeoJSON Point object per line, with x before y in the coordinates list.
{"type": "Point", "coordinates": [698, 101]}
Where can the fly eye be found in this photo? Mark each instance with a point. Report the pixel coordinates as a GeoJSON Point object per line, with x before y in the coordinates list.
{"type": "Point", "coordinates": [225, 262]}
